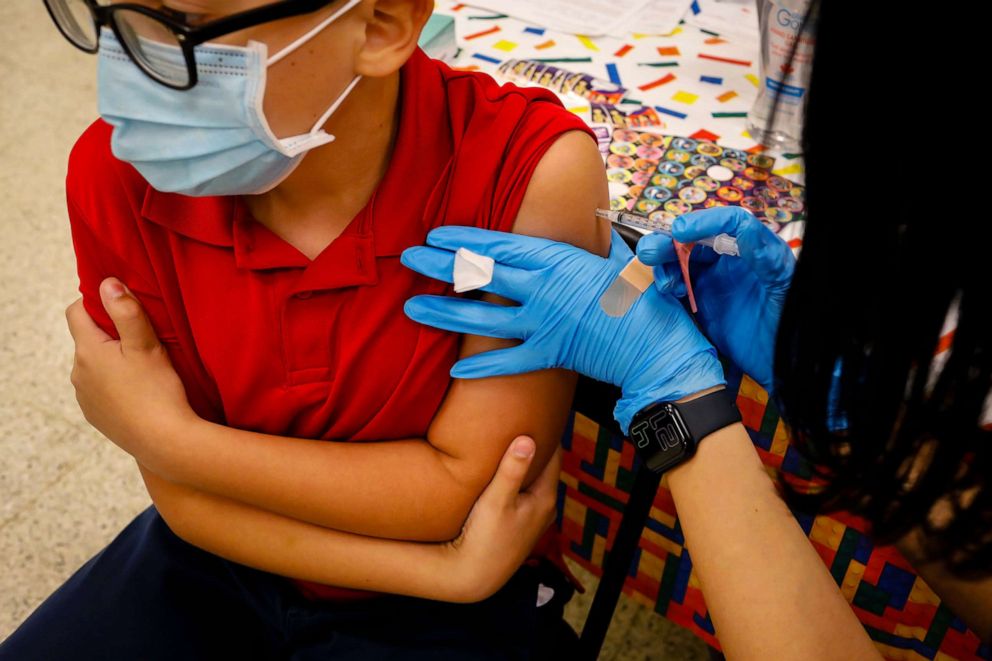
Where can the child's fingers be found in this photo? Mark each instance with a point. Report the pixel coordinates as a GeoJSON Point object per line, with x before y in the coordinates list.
{"type": "Point", "coordinates": [544, 490]}
{"type": "Point", "coordinates": [82, 328]}
{"type": "Point", "coordinates": [509, 477]}
{"type": "Point", "coordinates": [129, 317]}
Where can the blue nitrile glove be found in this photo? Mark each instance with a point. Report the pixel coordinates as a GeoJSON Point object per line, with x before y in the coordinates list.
{"type": "Point", "coordinates": [654, 352]}
{"type": "Point", "coordinates": [739, 299]}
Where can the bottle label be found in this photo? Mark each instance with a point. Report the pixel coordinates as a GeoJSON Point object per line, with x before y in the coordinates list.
{"type": "Point", "coordinates": [785, 90]}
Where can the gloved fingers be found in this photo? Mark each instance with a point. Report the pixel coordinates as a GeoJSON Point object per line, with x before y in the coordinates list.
{"type": "Point", "coordinates": [657, 248]}
{"type": "Point", "coordinates": [769, 257]}
{"type": "Point", "coordinates": [462, 315]}
{"type": "Point", "coordinates": [703, 255]}
{"type": "Point", "coordinates": [668, 279]}
{"type": "Point", "coordinates": [498, 362]}
{"type": "Point", "coordinates": [434, 263]}
{"type": "Point", "coordinates": [619, 250]}
{"type": "Point", "coordinates": [509, 249]}
{"type": "Point", "coordinates": [439, 264]}
{"type": "Point", "coordinates": [704, 223]}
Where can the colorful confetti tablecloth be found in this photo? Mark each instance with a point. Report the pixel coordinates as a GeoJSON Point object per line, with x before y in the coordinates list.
{"type": "Point", "coordinates": [701, 85]}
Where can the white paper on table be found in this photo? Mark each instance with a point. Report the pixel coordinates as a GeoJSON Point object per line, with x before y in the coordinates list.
{"type": "Point", "coordinates": [733, 19]}
{"type": "Point", "coordinates": [657, 17]}
{"type": "Point", "coordinates": [585, 17]}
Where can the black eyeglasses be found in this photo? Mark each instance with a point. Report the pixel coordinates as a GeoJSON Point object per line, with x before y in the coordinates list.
{"type": "Point", "coordinates": [143, 32]}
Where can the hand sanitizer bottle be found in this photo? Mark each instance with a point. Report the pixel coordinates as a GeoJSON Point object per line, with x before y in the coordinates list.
{"type": "Point", "coordinates": [775, 119]}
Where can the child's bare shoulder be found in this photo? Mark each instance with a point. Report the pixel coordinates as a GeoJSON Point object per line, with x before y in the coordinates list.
{"type": "Point", "coordinates": [567, 182]}
{"type": "Point", "coordinates": [567, 186]}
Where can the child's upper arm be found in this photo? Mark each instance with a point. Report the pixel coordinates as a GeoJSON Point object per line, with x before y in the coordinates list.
{"type": "Point", "coordinates": [104, 209]}
{"type": "Point", "coordinates": [479, 418]}
{"type": "Point", "coordinates": [104, 199]}
{"type": "Point", "coordinates": [96, 262]}
{"type": "Point", "coordinates": [564, 192]}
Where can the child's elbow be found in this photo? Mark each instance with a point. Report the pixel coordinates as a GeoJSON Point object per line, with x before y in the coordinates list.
{"type": "Point", "coordinates": [171, 504]}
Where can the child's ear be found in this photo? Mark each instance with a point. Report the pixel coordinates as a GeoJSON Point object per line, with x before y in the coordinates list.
{"type": "Point", "coordinates": [391, 35]}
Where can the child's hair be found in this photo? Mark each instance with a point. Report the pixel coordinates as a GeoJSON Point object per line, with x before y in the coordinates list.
{"type": "Point", "coordinates": [898, 438]}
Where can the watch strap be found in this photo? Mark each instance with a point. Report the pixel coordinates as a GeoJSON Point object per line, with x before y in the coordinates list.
{"type": "Point", "coordinates": [704, 415]}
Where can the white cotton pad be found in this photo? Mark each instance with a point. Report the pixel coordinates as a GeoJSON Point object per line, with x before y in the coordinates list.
{"type": "Point", "coordinates": [471, 271]}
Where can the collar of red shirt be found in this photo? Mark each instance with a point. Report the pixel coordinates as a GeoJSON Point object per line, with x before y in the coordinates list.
{"type": "Point", "coordinates": [350, 259]}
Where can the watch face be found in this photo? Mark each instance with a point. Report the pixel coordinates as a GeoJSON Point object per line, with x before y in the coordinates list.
{"type": "Point", "coordinates": [661, 437]}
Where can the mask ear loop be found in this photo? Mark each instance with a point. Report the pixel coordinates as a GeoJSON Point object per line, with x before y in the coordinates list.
{"type": "Point", "coordinates": [312, 33]}
{"type": "Point", "coordinates": [316, 128]}
{"type": "Point", "coordinates": [330, 111]}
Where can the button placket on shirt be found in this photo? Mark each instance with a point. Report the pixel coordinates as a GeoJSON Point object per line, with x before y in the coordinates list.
{"type": "Point", "coordinates": [308, 326]}
{"type": "Point", "coordinates": [308, 309]}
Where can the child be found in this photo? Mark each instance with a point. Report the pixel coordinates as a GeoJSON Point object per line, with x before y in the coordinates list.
{"type": "Point", "coordinates": [269, 269]}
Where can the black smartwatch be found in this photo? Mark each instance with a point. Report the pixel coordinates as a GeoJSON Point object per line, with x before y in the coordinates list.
{"type": "Point", "coordinates": [666, 433]}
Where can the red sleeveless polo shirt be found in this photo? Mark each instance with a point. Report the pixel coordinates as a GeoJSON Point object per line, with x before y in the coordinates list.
{"type": "Point", "coordinates": [267, 340]}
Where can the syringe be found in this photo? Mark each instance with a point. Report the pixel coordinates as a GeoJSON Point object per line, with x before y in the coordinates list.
{"type": "Point", "coordinates": [722, 244]}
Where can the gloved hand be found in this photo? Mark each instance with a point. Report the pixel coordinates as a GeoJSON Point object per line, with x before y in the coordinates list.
{"type": "Point", "coordinates": [740, 299]}
{"type": "Point", "coordinates": [654, 352]}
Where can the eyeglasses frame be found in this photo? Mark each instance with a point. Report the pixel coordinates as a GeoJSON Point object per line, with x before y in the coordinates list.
{"type": "Point", "coordinates": [188, 37]}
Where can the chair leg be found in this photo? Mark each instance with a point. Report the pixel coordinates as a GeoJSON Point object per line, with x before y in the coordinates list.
{"type": "Point", "coordinates": [617, 563]}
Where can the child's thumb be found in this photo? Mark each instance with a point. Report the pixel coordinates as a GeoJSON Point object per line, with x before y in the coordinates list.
{"type": "Point", "coordinates": [129, 317]}
{"type": "Point", "coordinates": [509, 478]}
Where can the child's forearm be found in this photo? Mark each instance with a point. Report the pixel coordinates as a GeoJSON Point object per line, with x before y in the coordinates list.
{"type": "Point", "coordinates": [768, 591]}
{"type": "Point", "coordinates": [284, 546]}
{"type": "Point", "coordinates": [404, 489]}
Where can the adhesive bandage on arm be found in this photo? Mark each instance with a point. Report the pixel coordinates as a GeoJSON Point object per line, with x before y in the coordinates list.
{"type": "Point", "coordinates": [632, 281]}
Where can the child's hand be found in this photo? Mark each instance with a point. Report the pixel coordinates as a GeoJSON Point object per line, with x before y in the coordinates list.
{"type": "Point", "coordinates": [505, 523]}
{"type": "Point", "coordinates": [126, 388]}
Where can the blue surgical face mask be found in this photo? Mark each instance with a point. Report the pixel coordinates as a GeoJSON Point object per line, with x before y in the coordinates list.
{"type": "Point", "coordinates": [212, 139]}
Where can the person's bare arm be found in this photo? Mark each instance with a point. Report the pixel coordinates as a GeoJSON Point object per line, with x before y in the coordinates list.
{"type": "Point", "coordinates": [573, 163]}
{"type": "Point", "coordinates": [768, 591]}
{"type": "Point", "coordinates": [416, 489]}
{"type": "Point", "coordinates": [287, 547]}
{"type": "Point", "coordinates": [501, 529]}
{"type": "Point", "coordinates": [969, 599]}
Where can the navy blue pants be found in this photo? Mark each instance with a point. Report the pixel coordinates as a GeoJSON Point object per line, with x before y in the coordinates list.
{"type": "Point", "coordinates": [149, 595]}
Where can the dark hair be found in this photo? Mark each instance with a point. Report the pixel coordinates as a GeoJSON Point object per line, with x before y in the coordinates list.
{"type": "Point", "coordinates": [897, 438]}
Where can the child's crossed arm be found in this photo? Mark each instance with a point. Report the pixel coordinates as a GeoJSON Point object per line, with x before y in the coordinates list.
{"type": "Point", "coordinates": [414, 489]}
